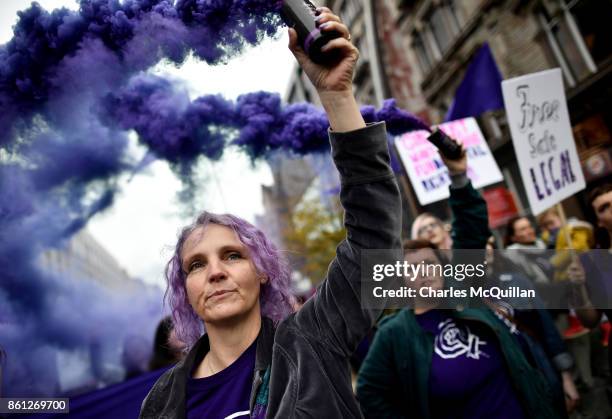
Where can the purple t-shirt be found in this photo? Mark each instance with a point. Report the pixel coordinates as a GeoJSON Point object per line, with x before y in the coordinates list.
{"type": "Point", "coordinates": [468, 377]}
{"type": "Point", "coordinates": [225, 394]}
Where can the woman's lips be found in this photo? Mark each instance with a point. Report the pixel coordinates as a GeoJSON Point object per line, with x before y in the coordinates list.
{"type": "Point", "coordinates": [219, 294]}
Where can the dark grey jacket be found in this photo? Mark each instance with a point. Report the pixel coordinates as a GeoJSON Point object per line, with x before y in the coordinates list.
{"type": "Point", "coordinates": [306, 356]}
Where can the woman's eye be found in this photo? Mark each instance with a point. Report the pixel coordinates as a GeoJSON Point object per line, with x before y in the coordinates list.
{"type": "Point", "coordinates": [234, 256]}
{"type": "Point", "coordinates": [195, 265]}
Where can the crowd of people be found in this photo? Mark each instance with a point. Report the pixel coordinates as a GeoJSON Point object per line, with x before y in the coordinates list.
{"type": "Point", "coordinates": [249, 350]}
{"type": "Point", "coordinates": [573, 341]}
{"type": "Point", "coordinates": [566, 346]}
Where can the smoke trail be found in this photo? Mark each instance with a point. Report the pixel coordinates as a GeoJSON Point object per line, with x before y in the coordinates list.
{"type": "Point", "coordinates": [398, 120]}
{"type": "Point", "coordinates": [180, 131]}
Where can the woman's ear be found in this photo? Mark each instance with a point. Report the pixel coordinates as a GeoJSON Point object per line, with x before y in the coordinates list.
{"type": "Point", "coordinates": [263, 279]}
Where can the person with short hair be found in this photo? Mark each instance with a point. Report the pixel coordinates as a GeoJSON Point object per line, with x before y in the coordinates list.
{"type": "Point", "coordinates": [430, 228]}
{"type": "Point", "coordinates": [427, 226]}
{"type": "Point", "coordinates": [520, 234]}
{"type": "Point", "coordinates": [600, 201]}
{"type": "Point", "coordinates": [526, 250]}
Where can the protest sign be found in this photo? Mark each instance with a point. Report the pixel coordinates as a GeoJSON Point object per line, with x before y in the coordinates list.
{"type": "Point", "coordinates": [427, 172]}
{"type": "Point", "coordinates": [542, 138]}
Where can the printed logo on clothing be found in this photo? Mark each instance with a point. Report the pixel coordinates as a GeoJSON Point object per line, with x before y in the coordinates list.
{"type": "Point", "coordinates": [454, 341]}
{"type": "Point", "coordinates": [237, 414]}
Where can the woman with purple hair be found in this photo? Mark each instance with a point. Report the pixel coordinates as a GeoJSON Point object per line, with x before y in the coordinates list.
{"type": "Point", "coordinates": [249, 354]}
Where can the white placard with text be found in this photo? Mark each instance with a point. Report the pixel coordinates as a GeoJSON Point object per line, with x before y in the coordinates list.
{"type": "Point", "coordinates": [542, 137]}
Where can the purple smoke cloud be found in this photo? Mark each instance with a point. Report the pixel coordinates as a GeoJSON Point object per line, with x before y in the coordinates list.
{"type": "Point", "coordinates": [137, 32]}
{"type": "Point", "coordinates": [42, 314]}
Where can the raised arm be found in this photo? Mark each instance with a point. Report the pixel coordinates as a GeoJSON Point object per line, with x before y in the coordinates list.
{"type": "Point", "coordinates": [369, 195]}
{"type": "Point", "coordinates": [470, 229]}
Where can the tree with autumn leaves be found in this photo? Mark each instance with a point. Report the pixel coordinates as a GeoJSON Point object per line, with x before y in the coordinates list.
{"type": "Point", "coordinates": [313, 236]}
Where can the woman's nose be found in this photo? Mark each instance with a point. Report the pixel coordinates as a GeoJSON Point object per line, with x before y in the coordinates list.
{"type": "Point", "coordinates": [217, 271]}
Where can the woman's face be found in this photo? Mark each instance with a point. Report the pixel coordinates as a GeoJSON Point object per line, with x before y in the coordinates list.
{"type": "Point", "coordinates": [222, 283]}
{"type": "Point", "coordinates": [431, 229]}
{"type": "Point", "coordinates": [523, 232]}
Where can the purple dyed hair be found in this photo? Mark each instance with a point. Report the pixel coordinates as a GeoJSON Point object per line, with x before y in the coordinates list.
{"type": "Point", "coordinates": [276, 299]}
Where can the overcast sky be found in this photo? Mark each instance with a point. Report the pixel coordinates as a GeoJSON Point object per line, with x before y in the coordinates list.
{"type": "Point", "coordinates": [142, 225]}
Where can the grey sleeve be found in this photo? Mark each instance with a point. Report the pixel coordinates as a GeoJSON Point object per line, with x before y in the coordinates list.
{"type": "Point", "coordinates": [371, 201]}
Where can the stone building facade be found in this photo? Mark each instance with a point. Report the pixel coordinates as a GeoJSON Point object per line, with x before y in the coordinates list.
{"type": "Point", "coordinates": [417, 52]}
{"type": "Point", "coordinates": [426, 46]}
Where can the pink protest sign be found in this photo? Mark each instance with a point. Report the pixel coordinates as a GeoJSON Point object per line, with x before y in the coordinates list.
{"type": "Point", "coordinates": [427, 172]}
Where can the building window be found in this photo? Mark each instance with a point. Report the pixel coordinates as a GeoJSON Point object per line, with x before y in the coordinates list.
{"type": "Point", "coordinates": [444, 25]}
{"type": "Point", "coordinates": [454, 15]}
{"type": "Point", "coordinates": [440, 28]}
{"type": "Point", "coordinates": [422, 53]}
{"type": "Point", "coordinates": [579, 34]}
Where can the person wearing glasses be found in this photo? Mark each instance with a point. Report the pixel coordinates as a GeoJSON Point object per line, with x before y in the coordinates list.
{"type": "Point", "coordinates": [429, 227]}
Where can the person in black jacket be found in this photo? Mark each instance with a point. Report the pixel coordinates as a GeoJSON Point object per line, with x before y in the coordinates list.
{"type": "Point", "coordinates": [257, 358]}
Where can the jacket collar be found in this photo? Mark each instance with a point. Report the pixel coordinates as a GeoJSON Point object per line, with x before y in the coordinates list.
{"type": "Point", "coordinates": [265, 342]}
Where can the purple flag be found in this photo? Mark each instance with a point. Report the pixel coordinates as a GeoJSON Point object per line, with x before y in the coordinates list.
{"type": "Point", "coordinates": [119, 401]}
{"type": "Point", "coordinates": [480, 90]}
